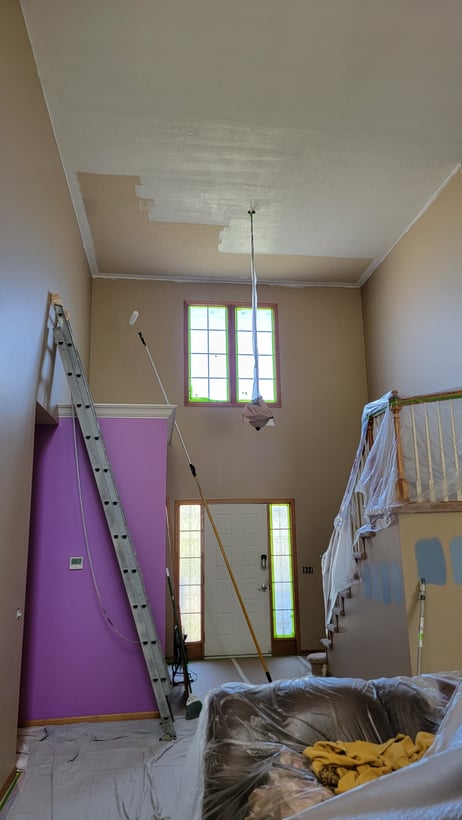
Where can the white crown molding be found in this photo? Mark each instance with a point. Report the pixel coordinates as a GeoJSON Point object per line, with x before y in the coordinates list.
{"type": "Point", "coordinates": [378, 261]}
{"type": "Point", "coordinates": [209, 280]}
{"type": "Point", "coordinates": [129, 411]}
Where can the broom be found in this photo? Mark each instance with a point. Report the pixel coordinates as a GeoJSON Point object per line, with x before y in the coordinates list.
{"type": "Point", "coordinates": [193, 704]}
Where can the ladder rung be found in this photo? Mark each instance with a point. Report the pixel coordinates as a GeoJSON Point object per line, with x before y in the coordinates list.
{"type": "Point", "coordinates": [115, 518]}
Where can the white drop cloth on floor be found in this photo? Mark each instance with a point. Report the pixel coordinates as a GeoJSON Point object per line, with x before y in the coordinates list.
{"type": "Point", "coordinates": [103, 771]}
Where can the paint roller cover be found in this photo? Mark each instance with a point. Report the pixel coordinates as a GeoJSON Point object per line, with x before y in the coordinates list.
{"type": "Point", "coordinates": [133, 318]}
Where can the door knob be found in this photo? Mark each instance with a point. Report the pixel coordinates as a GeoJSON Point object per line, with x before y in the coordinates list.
{"type": "Point", "coordinates": [263, 587]}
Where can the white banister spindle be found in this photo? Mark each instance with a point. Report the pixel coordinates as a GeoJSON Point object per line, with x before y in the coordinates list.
{"type": "Point", "coordinates": [456, 453]}
{"type": "Point", "coordinates": [431, 482]}
{"type": "Point", "coordinates": [444, 477]}
{"type": "Point", "coordinates": [418, 479]}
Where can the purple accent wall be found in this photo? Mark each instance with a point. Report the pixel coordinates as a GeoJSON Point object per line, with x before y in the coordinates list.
{"type": "Point", "coordinates": [74, 664]}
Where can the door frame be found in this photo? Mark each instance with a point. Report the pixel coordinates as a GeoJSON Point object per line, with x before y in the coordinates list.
{"type": "Point", "coordinates": [279, 646]}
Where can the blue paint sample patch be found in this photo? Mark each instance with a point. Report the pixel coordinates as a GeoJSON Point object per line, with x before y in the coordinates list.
{"type": "Point", "coordinates": [431, 563]}
{"type": "Point", "coordinates": [386, 586]}
{"type": "Point", "coordinates": [396, 579]}
{"type": "Point", "coordinates": [456, 558]}
{"type": "Point", "coordinates": [376, 582]}
{"type": "Point", "coordinates": [366, 579]}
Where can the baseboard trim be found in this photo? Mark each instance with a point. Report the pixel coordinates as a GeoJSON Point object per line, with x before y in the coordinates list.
{"type": "Point", "coordinates": [91, 719]}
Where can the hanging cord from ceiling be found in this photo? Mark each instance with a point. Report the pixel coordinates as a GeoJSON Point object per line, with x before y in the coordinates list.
{"type": "Point", "coordinates": [256, 385]}
{"type": "Point", "coordinates": [257, 413]}
{"type": "Point", "coordinates": [87, 541]}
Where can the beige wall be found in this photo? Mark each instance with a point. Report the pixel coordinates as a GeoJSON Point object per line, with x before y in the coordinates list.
{"type": "Point", "coordinates": [307, 456]}
{"type": "Point", "coordinates": [380, 637]}
{"type": "Point", "coordinates": [412, 324]}
{"type": "Point", "coordinates": [413, 343]}
{"type": "Point", "coordinates": [411, 305]}
{"type": "Point", "coordinates": [372, 640]}
{"type": "Point", "coordinates": [442, 649]}
{"type": "Point", "coordinates": [40, 251]}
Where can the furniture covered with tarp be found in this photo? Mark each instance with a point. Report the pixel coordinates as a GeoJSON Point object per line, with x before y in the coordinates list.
{"type": "Point", "coordinates": [247, 759]}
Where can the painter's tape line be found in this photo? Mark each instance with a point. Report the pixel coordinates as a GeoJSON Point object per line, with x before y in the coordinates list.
{"type": "Point", "coordinates": [240, 671]}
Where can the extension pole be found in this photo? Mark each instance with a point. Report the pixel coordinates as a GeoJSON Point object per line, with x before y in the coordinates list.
{"type": "Point", "coordinates": [132, 321]}
{"type": "Point", "coordinates": [422, 596]}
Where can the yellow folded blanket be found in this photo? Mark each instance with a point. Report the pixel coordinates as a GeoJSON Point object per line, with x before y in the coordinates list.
{"type": "Point", "coordinates": [345, 765]}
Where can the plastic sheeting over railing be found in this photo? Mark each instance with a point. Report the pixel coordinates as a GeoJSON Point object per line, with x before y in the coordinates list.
{"type": "Point", "coordinates": [374, 475]}
{"type": "Point", "coordinates": [410, 451]}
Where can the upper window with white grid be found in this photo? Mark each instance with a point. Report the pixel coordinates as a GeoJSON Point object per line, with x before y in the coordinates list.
{"type": "Point", "coordinates": [219, 357]}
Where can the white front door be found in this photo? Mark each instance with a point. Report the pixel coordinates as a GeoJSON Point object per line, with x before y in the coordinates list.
{"type": "Point", "coordinates": [243, 530]}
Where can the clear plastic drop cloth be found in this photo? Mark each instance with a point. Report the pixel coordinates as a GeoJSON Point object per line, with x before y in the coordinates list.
{"type": "Point", "coordinates": [246, 761]}
{"type": "Point", "coordinates": [428, 433]}
{"type": "Point", "coordinates": [430, 789]}
{"type": "Point", "coordinates": [375, 478]}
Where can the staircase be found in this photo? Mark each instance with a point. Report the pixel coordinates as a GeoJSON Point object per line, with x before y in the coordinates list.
{"type": "Point", "coordinates": [406, 471]}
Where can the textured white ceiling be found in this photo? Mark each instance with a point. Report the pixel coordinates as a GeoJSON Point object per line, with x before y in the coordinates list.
{"type": "Point", "coordinates": [337, 120]}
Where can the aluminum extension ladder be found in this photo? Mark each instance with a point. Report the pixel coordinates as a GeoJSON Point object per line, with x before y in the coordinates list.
{"type": "Point", "coordinates": [115, 517]}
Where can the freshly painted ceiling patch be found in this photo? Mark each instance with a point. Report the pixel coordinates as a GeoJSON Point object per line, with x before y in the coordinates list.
{"type": "Point", "coordinates": [145, 248]}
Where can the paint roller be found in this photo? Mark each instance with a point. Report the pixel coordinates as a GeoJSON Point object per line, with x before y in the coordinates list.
{"type": "Point", "coordinates": [132, 320]}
